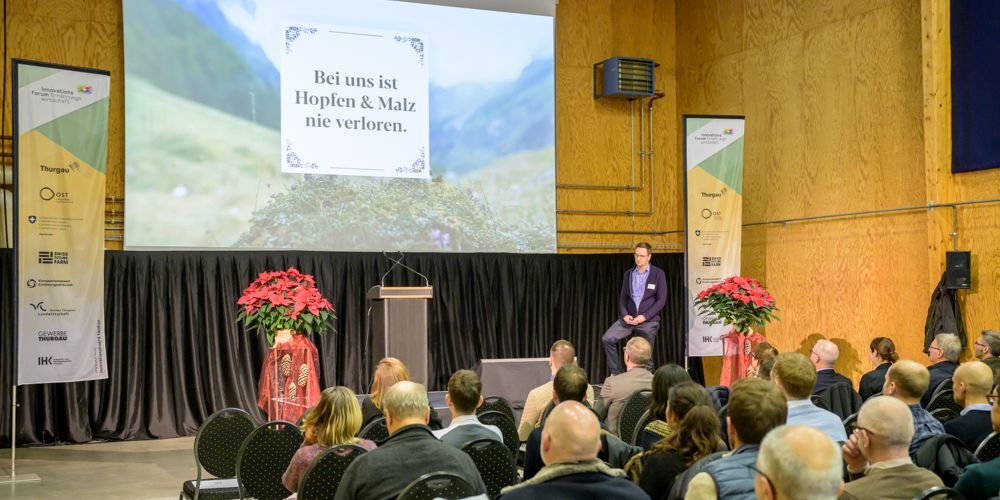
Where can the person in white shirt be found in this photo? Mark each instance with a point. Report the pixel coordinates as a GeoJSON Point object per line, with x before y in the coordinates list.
{"type": "Point", "coordinates": [464, 396]}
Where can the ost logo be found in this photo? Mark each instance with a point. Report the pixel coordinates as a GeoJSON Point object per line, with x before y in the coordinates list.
{"type": "Point", "coordinates": [47, 194]}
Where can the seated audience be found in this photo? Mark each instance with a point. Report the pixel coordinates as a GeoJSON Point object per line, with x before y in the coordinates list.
{"type": "Point", "coordinates": [410, 452]}
{"type": "Point", "coordinates": [764, 372]}
{"type": "Point", "coordinates": [617, 388]}
{"type": "Point", "coordinates": [796, 462]}
{"type": "Point", "coordinates": [983, 480]}
{"type": "Point", "coordinates": [562, 353]}
{"type": "Point", "coordinates": [335, 420]}
{"type": "Point", "coordinates": [943, 353]}
{"type": "Point", "coordinates": [761, 352]}
{"type": "Point", "coordinates": [878, 453]}
{"type": "Point", "coordinates": [882, 354]}
{"type": "Point", "coordinates": [824, 356]}
{"type": "Point", "coordinates": [666, 377]}
{"type": "Point", "coordinates": [569, 384]}
{"type": "Point", "coordinates": [906, 381]}
{"type": "Point", "coordinates": [755, 407]}
{"type": "Point", "coordinates": [972, 384]}
{"type": "Point", "coordinates": [570, 441]}
{"type": "Point", "coordinates": [795, 376]}
{"type": "Point", "coordinates": [696, 435]}
{"type": "Point", "coordinates": [388, 372]}
{"type": "Point", "coordinates": [987, 349]}
{"type": "Point", "coordinates": [464, 396]}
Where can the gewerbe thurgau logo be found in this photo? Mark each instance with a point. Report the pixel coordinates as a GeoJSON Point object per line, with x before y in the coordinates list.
{"type": "Point", "coordinates": [52, 336]}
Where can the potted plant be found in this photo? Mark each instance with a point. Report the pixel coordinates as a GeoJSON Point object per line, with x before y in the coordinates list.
{"type": "Point", "coordinates": [738, 301]}
{"type": "Point", "coordinates": [287, 302]}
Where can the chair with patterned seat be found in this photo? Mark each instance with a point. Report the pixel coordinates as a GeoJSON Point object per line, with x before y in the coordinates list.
{"type": "Point", "coordinates": [376, 431]}
{"type": "Point", "coordinates": [631, 413]}
{"type": "Point", "coordinates": [494, 462]}
{"type": "Point", "coordinates": [989, 448]}
{"type": "Point", "coordinates": [438, 485]}
{"type": "Point", "coordinates": [263, 459]}
{"type": "Point", "coordinates": [497, 403]}
{"type": "Point", "coordinates": [215, 449]}
{"type": "Point", "coordinates": [944, 399]}
{"type": "Point", "coordinates": [944, 414]}
{"type": "Point", "coordinates": [323, 475]}
{"type": "Point", "coordinates": [506, 426]}
{"type": "Point", "coordinates": [645, 419]}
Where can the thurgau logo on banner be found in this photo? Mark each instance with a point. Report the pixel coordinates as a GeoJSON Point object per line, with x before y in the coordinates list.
{"type": "Point", "coordinates": [72, 167]}
{"type": "Point", "coordinates": [52, 336]}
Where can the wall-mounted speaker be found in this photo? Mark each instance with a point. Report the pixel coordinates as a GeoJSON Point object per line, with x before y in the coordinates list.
{"type": "Point", "coordinates": [958, 270]}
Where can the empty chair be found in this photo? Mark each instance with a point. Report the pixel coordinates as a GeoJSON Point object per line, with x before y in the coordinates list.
{"type": "Point", "coordinates": [497, 403]}
{"type": "Point", "coordinates": [989, 448]}
{"type": "Point", "coordinates": [645, 419]}
{"type": "Point", "coordinates": [946, 456]}
{"type": "Point", "coordinates": [263, 458]}
{"type": "Point", "coordinates": [507, 427]}
{"type": "Point", "coordinates": [216, 447]}
{"type": "Point", "coordinates": [494, 462]}
{"type": "Point", "coordinates": [628, 418]}
{"type": "Point", "coordinates": [323, 475]}
{"type": "Point", "coordinates": [375, 431]}
{"type": "Point", "coordinates": [437, 485]}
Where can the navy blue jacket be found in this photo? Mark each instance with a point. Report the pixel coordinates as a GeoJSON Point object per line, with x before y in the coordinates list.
{"type": "Point", "coordinates": [939, 373]}
{"type": "Point", "coordinates": [583, 486]}
{"type": "Point", "coordinates": [971, 428]}
{"type": "Point", "coordinates": [826, 378]}
{"type": "Point", "coordinates": [653, 299]}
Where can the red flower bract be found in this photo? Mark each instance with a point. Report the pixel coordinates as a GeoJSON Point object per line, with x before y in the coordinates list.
{"type": "Point", "coordinates": [739, 301]}
{"type": "Point", "coordinates": [285, 300]}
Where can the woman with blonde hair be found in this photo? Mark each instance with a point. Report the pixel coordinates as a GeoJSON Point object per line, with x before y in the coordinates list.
{"type": "Point", "coordinates": [334, 421]}
{"type": "Point", "coordinates": [387, 373]}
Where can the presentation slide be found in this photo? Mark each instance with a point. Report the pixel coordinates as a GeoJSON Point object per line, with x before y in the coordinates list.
{"type": "Point", "coordinates": [356, 125]}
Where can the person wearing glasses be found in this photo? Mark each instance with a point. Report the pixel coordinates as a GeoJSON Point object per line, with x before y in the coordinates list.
{"type": "Point", "coordinates": [972, 384]}
{"type": "Point", "coordinates": [983, 480]}
{"type": "Point", "coordinates": [987, 349]}
{"type": "Point", "coordinates": [642, 297]}
{"type": "Point", "coordinates": [824, 356]}
{"type": "Point", "coordinates": [797, 461]}
{"type": "Point", "coordinates": [943, 353]}
{"type": "Point", "coordinates": [878, 453]}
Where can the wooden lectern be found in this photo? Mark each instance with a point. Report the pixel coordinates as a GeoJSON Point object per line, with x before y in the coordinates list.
{"type": "Point", "coordinates": [399, 326]}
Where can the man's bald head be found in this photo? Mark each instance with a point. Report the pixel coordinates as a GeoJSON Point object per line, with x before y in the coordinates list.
{"type": "Point", "coordinates": [801, 461]}
{"type": "Point", "coordinates": [971, 382]}
{"type": "Point", "coordinates": [826, 353]}
{"type": "Point", "coordinates": [906, 380]}
{"type": "Point", "coordinates": [571, 434]}
{"type": "Point", "coordinates": [889, 421]}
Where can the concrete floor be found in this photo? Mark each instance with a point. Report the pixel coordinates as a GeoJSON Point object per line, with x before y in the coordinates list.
{"type": "Point", "coordinates": [113, 470]}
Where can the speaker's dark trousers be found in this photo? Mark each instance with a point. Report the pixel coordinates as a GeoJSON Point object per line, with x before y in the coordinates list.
{"type": "Point", "coordinates": [618, 331]}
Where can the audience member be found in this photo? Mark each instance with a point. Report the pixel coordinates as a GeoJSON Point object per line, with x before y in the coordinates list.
{"type": "Point", "coordinates": [878, 456]}
{"type": "Point", "coordinates": [570, 441]}
{"type": "Point", "coordinates": [617, 388]}
{"type": "Point", "coordinates": [758, 355]}
{"type": "Point", "coordinates": [906, 380]}
{"type": "Point", "coordinates": [987, 349]}
{"type": "Point", "coordinates": [797, 462]}
{"type": "Point", "coordinates": [755, 407]}
{"type": "Point", "coordinates": [464, 396]}
{"type": "Point", "coordinates": [335, 420]}
{"type": "Point", "coordinates": [570, 384]}
{"type": "Point", "coordinates": [696, 434]}
{"type": "Point", "coordinates": [764, 372]}
{"type": "Point", "coordinates": [824, 355]}
{"type": "Point", "coordinates": [972, 384]}
{"type": "Point", "coordinates": [410, 452]}
{"type": "Point", "coordinates": [943, 353]}
{"type": "Point", "coordinates": [795, 376]}
{"type": "Point", "coordinates": [666, 377]}
{"type": "Point", "coordinates": [562, 353]}
{"type": "Point", "coordinates": [983, 480]}
{"type": "Point", "coordinates": [882, 354]}
{"type": "Point", "coordinates": [387, 373]}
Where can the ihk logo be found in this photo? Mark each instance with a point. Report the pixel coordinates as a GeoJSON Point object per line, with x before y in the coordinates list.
{"type": "Point", "coordinates": [45, 361]}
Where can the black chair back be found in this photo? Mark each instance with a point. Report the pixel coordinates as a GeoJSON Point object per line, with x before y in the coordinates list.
{"type": "Point", "coordinates": [723, 427]}
{"type": "Point", "coordinates": [263, 458]}
{"type": "Point", "coordinates": [216, 447]}
{"type": "Point", "coordinates": [989, 448]}
{"type": "Point", "coordinates": [437, 485]}
{"type": "Point", "coordinates": [632, 410]}
{"type": "Point", "coordinates": [944, 399]}
{"type": "Point", "coordinates": [850, 422]}
{"type": "Point", "coordinates": [945, 385]}
{"type": "Point", "coordinates": [495, 464]}
{"type": "Point", "coordinates": [720, 396]}
{"type": "Point", "coordinates": [841, 399]}
{"type": "Point", "coordinates": [939, 492]}
{"type": "Point", "coordinates": [545, 413]}
{"type": "Point", "coordinates": [946, 456]}
{"type": "Point", "coordinates": [644, 420]}
{"type": "Point", "coordinates": [507, 428]}
{"type": "Point", "coordinates": [497, 403]}
{"type": "Point", "coordinates": [944, 414]}
{"type": "Point", "coordinates": [375, 431]}
{"type": "Point", "coordinates": [323, 475]}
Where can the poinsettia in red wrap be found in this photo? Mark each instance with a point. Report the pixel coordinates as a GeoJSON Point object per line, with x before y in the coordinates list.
{"type": "Point", "coordinates": [285, 300]}
{"type": "Point", "coordinates": [739, 301]}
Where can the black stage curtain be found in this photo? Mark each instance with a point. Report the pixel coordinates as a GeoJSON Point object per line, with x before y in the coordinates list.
{"type": "Point", "coordinates": [176, 354]}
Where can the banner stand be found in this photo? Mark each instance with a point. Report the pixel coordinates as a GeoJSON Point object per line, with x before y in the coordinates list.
{"type": "Point", "coordinates": [12, 478]}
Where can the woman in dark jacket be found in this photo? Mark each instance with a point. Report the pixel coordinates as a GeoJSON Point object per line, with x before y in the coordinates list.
{"type": "Point", "coordinates": [882, 355]}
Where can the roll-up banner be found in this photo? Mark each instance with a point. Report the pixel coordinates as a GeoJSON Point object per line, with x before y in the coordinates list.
{"type": "Point", "coordinates": [713, 194]}
{"type": "Point", "coordinates": [60, 155]}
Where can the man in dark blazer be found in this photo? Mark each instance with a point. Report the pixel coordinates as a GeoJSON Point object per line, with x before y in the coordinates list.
{"type": "Point", "coordinates": [642, 297]}
{"type": "Point", "coordinates": [824, 355]}
{"type": "Point", "coordinates": [972, 384]}
{"type": "Point", "coordinates": [943, 352]}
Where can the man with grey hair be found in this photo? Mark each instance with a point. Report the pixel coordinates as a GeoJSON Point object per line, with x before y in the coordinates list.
{"type": "Point", "coordinates": [987, 349]}
{"type": "Point", "coordinates": [797, 461]}
{"type": "Point", "coordinates": [617, 388]}
{"type": "Point", "coordinates": [943, 353]}
{"type": "Point", "coordinates": [824, 356]}
{"type": "Point", "coordinates": [877, 454]}
{"type": "Point", "coordinates": [410, 451]}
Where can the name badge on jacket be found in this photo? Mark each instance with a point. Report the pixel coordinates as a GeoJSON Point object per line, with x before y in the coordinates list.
{"type": "Point", "coordinates": [651, 286]}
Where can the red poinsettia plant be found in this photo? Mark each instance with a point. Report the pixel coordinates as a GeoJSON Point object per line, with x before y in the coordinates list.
{"type": "Point", "coordinates": [739, 301]}
{"type": "Point", "coordinates": [285, 300]}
